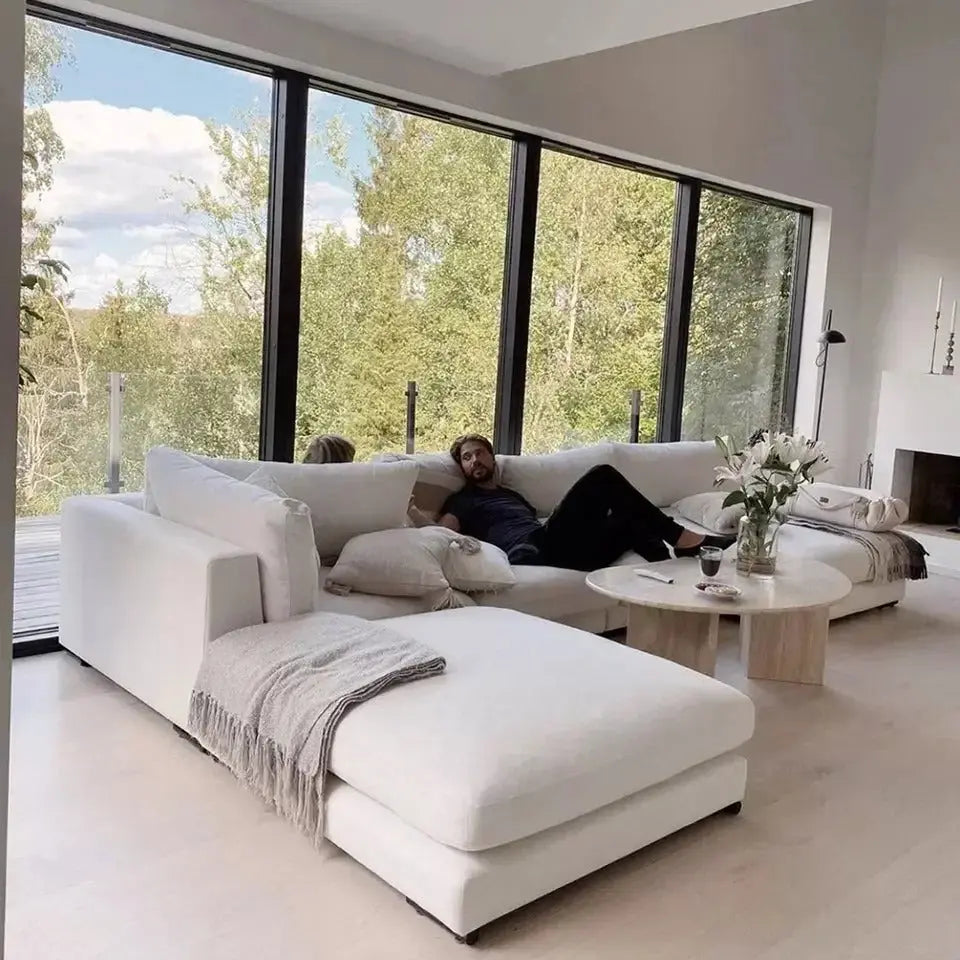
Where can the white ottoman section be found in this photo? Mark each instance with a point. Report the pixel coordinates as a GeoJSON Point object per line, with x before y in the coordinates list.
{"type": "Point", "coordinates": [540, 755]}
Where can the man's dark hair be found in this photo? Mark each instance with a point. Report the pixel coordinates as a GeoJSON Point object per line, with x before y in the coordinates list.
{"type": "Point", "coordinates": [457, 445]}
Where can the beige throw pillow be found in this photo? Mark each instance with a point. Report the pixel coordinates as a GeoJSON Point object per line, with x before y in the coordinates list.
{"type": "Point", "coordinates": [477, 567]}
{"type": "Point", "coordinates": [397, 563]}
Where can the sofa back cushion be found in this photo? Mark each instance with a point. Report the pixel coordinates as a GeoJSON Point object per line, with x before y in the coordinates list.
{"type": "Point", "coordinates": [276, 529]}
{"type": "Point", "coordinates": [345, 499]}
{"type": "Point", "coordinates": [667, 472]}
{"type": "Point", "coordinates": [437, 478]}
{"type": "Point", "coordinates": [544, 478]}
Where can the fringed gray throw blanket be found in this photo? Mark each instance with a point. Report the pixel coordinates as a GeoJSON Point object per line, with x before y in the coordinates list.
{"type": "Point", "coordinates": [893, 555]}
{"type": "Point", "coordinates": [268, 700]}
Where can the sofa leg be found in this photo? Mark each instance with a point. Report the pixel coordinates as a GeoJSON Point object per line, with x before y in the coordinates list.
{"type": "Point", "coordinates": [734, 809]}
{"type": "Point", "coordinates": [469, 939]}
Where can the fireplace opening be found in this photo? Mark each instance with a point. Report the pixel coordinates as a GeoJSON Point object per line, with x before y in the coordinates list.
{"type": "Point", "coordinates": [930, 483]}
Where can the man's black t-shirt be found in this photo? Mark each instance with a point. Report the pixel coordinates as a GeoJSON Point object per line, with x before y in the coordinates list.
{"type": "Point", "coordinates": [499, 516]}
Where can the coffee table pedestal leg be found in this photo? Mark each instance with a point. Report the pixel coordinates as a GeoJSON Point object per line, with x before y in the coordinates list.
{"type": "Point", "coordinates": [689, 639]}
{"type": "Point", "coordinates": [785, 646]}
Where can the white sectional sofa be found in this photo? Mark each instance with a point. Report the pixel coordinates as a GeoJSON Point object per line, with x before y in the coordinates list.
{"type": "Point", "coordinates": [541, 754]}
{"type": "Point", "coordinates": [138, 589]}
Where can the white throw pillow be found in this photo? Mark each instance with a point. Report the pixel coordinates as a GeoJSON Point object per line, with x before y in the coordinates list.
{"type": "Point", "coordinates": [844, 507]}
{"type": "Point", "coordinates": [544, 478]}
{"type": "Point", "coordinates": [345, 499]}
{"type": "Point", "coordinates": [396, 563]}
{"type": "Point", "coordinates": [477, 567]}
{"type": "Point", "coordinates": [667, 472]}
{"type": "Point", "coordinates": [707, 510]}
{"type": "Point", "coordinates": [277, 530]}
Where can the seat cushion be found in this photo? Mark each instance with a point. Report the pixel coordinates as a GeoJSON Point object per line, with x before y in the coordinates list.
{"type": "Point", "coordinates": [546, 592]}
{"type": "Point", "coordinates": [532, 724]}
{"type": "Point", "coordinates": [838, 552]}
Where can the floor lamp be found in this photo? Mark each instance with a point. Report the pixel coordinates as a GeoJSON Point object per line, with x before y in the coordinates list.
{"type": "Point", "coordinates": [826, 338]}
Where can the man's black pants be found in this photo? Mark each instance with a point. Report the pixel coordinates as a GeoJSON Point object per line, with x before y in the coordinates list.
{"type": "Point", "coordinates": [601, 517]}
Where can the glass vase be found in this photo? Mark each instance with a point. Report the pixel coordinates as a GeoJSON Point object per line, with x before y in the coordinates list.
{"type": "Point", "coordinates": [757, 546]}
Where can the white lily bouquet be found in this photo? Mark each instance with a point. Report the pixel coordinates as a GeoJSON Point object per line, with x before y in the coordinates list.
{"type": "Point", "coordinates": [768, 474]}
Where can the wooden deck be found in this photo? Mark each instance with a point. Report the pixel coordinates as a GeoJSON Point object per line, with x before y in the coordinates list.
{"type": "Point", "coordinates": [36, 579]}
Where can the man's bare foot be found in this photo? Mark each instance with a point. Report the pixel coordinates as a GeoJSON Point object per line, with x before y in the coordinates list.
{"type": "Point", "coordinates": [689, 539]}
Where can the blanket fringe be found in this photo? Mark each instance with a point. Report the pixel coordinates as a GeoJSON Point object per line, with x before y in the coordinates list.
{"type": "Point", "coordinates": [259, 764]}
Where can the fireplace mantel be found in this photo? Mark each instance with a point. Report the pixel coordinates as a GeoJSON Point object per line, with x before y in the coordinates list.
{"type": "Point", "coordinates": [918, 412]}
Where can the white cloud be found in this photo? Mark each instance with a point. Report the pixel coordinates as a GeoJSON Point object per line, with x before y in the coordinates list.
{"type": "Point", "coordinates": [121, 212]}
{"type": "Point", "coordinates": [120, 162]}
{"type": "Point", "coordinates": [326, 204]}
{"type": "Point", "coordinates": [119, 205]}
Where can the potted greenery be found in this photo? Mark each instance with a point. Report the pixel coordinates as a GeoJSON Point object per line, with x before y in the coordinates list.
{"type": "Point", "coordinates": [768, 474]}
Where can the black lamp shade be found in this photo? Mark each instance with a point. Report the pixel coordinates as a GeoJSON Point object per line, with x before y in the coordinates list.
{"type": "Point", "coordinates": [832, 336]}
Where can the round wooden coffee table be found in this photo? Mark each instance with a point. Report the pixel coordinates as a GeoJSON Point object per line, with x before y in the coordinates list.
{"type": "Point", "coordinates": [783, 621]}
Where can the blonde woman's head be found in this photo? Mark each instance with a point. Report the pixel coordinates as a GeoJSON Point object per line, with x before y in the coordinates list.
{"type": "Point", "coordinates": [330, 448]}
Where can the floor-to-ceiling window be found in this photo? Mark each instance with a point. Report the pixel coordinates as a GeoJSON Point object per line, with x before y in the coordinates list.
{"type": "Point", "coordinates": [497, 271]}
{"type": "Point", "coordinates": [601, 266]}
{"type": "Point", "coordinates": [402, 275]}
{"type": "Point", "coordinates": [743, 290]}
{"type": "Point", "coordinates": [144, 223]}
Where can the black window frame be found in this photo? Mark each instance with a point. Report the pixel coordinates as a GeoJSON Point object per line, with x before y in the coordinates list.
{"type": "Point", "coordinates": [281, 327]}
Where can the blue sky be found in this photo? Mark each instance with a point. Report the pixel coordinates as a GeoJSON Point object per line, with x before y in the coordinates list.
{"type": "Point", "coordinates": [131, 117]}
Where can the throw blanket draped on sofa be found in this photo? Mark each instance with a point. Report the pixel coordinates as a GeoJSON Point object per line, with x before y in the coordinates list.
{"type": "Point", "coordinates": [893, 555]}
{"type": "Point", "coordinates": [268, 700]}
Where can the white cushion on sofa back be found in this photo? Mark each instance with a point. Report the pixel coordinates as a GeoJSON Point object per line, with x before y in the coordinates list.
{"type": "Point", "coordinates": [544, 478]}
{"type": "Point", "coordinates": [667, 472]}
{"type": "Point", "coordinates": [276, 529]}
{"type": "Point", "coordinates": [345, 499]}
{"type": "Point", "coordinates": [437, 478]}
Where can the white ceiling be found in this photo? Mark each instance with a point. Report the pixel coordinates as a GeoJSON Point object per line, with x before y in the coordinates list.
{"type": "Point", "coordinates": [493, 36]}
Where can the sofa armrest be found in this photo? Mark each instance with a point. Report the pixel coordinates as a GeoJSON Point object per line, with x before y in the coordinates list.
{"type": "Point", "coordinates": [141, 596]}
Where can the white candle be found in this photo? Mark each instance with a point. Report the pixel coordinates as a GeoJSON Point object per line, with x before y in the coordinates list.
{"type": "Point", "coordinates": [953, 318]}
{"type": "Point", "coordinates": [939, 296]}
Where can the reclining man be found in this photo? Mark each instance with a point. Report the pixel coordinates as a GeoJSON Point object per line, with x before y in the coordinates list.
{"type": "Point", "coordinates": [600, 518]}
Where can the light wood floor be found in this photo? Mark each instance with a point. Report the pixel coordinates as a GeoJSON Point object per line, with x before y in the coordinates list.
{"type": "Point", "coordinates": [127, 843]}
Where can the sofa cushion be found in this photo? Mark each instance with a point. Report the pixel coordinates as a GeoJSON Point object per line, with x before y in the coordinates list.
{"type": "Point", "coordinates": [707, 511]}
{"type": "Point", "coordinates": [477, 567]}
{"type": "Point", "coordinates": [848, 507]}
{"type": "Point", "coordinates": [395, 563]}
{"type": "Point", "coordinates": [667, 472]}
{"type": "Point", "coordinates": [371, 606]}
{"type": "Point", "coordinates": [544, 478]}
{"type": "Point", "coordinates": [548, 592]}
{"type": "Point", "coordinates": [842, 554]}
{"type": "Point", "coordinates": [532, 724]}
{"type": "Point", "coordinates": [276, 529]}
{"type": "Point", "coordinates": [345, 499]}
{"type": "Point", "coordinates": [437, 478]}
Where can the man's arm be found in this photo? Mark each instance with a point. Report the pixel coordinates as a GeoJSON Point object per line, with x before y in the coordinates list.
{"type": "Point", "coordinates": [449, 521]}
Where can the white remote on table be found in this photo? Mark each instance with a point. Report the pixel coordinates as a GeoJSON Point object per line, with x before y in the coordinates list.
{"type": "Point", "coordinates": [652, 574]}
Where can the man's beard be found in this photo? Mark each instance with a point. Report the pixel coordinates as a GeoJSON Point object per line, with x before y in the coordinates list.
{"type": "Point", "coordinates": [480, 473]}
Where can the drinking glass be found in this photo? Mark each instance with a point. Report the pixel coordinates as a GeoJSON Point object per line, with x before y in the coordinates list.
{"type": "Point", "coordinates": [710, 560]}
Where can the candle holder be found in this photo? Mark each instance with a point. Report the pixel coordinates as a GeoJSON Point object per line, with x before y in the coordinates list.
{"type": "Point", "coordinates": [936, 334]}
{"type": "Point", "coordinates": [948, 366]}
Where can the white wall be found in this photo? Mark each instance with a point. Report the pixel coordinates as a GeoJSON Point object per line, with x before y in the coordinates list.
{"type": "Point", "coordinates": [782, 101]}
{"type": "Point", "coordinates": [11, 116]}
{"type": "Point", "coordinates": [914, 226]}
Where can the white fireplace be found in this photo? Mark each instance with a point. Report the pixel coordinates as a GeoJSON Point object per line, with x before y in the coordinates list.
{"type": "Point", "coordinates": [917, 458]}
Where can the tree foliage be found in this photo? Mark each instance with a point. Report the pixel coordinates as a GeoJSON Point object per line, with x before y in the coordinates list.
{"type": "Point", "coordinates": [411, 293]}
